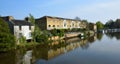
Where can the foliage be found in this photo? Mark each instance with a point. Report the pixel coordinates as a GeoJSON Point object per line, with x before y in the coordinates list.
{"type": "Point", "coordinates": [22, 39]}
{"type": "Point", "coordinates": [43, 37]}
{"type": "Point", "coordinates": [54, 32]}
{"type": "Point", "coordinates": [7, 40]}
{"type": "Point", "coordinates": [77, 18]}
{"type": "Point", "coordinates": [37, 31]}
{"type": "Point", "coordinates": [60, 32]}
{"type": "Point", "coordinates": [100, 25]}
{"type": "Point", "coordinates": [113, 24]}
{"type": "Point", "coordinates": [99, 36]}
{"type": "Point", "coordinates": [31, 18]}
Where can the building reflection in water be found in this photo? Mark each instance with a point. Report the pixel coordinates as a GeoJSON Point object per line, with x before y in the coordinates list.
{"type": "Point", "coordinates": [46, 52]}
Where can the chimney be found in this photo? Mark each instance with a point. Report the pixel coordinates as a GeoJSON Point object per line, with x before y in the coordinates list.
{"type": "Point", "coordinates": [27, 19]}
{"type": "Point", "coordinates": [10, 18]}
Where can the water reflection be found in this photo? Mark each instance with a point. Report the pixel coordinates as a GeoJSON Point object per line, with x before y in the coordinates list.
{"type": "Point", "coordinates": [49, 51]}
{"type": "Point", "coordinates": [92, 50]}
{"type": "Point", "coordinates": [45, 52]}
{"type": "Point", "coordinates": [27, 57]}
{"type": "Point", "coordinates": [114, 34]}
{"type": "Point", "coordinates": [99, 36]}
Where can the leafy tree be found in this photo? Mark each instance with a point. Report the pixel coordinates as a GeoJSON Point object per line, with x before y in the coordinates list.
{"type": "Point", "coordinates": [37, 31]}
{"type": "Point", "coordinates": [109, 24]}
{"type": "Point", "coordinates": [99, 36]}
{"type": "Point", "coordinates": [117, 23]}
{"type": "Point", "coordinates": [43, 37]}
{"type": "Point", "coordinates": [60, 32]}
{"type": "Point", "coordinates": [113, 24]}
{"type": "Point", "coordinates": [54, 32]}
{"type": "Point", "coordinates": [77, 18]}
{"type": "Point", "coordinates": [7, 40]}
{"type": "Point", "coordinates": [31, 18]}
{"type": "Point", "coordinates": [100, 25]}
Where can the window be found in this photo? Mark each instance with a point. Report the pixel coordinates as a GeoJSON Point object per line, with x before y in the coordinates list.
{"type": "Point", "coordinates": [30, 35]}
{"type": "Point", "coordinates": [49, 25]}
{"type": "Point", "coordinates": [65, 24]}
{"type": "Point", "coordinates": [20, 35]}
{"type": "Point", "coordinates": [53, 25]}
{"type": "Point", "coordinates": [72, 24]}
{"type": "Point", "coordinates": [29, 27]}
{"type": "Point", "coordinates": [57, 25]}
{"type": "Point", "coordinates": [20, 27]}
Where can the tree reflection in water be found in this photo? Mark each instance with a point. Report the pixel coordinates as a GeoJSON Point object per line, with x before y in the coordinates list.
{"type": "Point", "coordinates": [114, 34]}
{"type": "Point", "coordinates": [49, 51]}
{"type": "Point", "coordinates": [46, 51]}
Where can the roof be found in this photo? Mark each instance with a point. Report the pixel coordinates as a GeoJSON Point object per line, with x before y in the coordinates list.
{"type": "Point", "coordinates": [59, 18]}
{"type": "Point", "coordinates": [21, 22]}
{"type": "Point", "coordinates": [7, 18]}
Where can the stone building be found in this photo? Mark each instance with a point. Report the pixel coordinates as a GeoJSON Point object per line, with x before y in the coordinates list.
{"type": "Point", "coordinates": [93, 27]}
{"type": "Point", "coordinates": [49, 23]}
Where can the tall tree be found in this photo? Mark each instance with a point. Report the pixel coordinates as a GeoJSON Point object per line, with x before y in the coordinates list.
{"type": "Point", "coordinates": [109, 24]}
{"type": "Point", "coordinates": [100, 25]}
{"type": "Point", "coordinates": [37, 31]}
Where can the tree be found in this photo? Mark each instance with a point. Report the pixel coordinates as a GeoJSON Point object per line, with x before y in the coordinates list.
{"type": "Point", "coordinates": [87, 24]}
{"type": "Point", "coordinates": [7, 40]}
{"type": "Point", "coordinates": [117, 23]}
{"type": "Point", "coordinates": [60, 33]}
{"type": "Point", "coordinates": [77, 18]}
{"type": "Point", "coordinates": [100, 25]}
{"type": "Point", "coordinates": [31, 18]}
{"type": "Point", "coordinates": [109, 24]}
{"type": "Point", "coordinates": [54, 32]}
{"type": "Point", "coordinates": [22, 39]}
{"type": "Point", "coordinates": [37, 31]}
{"type": "Point", "coordinates": [43, 37]}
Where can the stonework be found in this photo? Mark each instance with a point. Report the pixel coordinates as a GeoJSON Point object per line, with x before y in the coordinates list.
{"type": "Point", "coordinates": [49, 23]}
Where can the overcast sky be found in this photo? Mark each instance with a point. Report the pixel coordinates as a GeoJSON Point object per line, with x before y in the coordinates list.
{"type": "Point", "coordinates": [92, 10]}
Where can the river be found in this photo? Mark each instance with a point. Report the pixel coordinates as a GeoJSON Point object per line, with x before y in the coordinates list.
{"type": "Point", "coordinates": [98, 49]}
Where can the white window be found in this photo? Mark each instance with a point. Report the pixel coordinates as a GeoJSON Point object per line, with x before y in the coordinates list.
{"type": "Point", "coordinates": [20, 35]}
{"type": "Point", "coordinates": [30, 35]}
{"type": "Point", "coordinates": [64, 23]}
{"type": "Point", "coordinates": [72, 24]}
{"type": "Point", "coordinates": [20, 27]}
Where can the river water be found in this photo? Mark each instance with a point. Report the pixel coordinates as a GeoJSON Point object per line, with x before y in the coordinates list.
{"type": "Point", "coordinates": [98, 49]}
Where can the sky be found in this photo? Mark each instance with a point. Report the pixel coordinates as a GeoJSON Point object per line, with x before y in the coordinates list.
{"type": "Point", "coordinates": [91, 10]}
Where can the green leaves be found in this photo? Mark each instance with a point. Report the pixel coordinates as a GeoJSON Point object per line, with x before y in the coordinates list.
{"type": "Point", "coordinates": [7, 40]}
{"type": "Point", "coordinates": [100, 25]}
